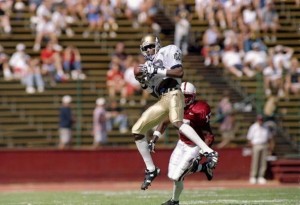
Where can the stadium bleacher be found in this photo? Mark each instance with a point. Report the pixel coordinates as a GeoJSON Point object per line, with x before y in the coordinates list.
{"type": "Point", "coordinates": [32, 120]}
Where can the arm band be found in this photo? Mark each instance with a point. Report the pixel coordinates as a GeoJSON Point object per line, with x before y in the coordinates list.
{"type": "Point", "coordinates": [162, 72]}
{"type": "Point", "coordinates": [157, 133]}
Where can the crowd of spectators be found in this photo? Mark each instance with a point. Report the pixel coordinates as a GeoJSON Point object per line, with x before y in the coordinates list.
{"type": "Point", "coordinates": [236, 37]}
{"type": "Point", "coordinates": [52, 65]}
{"type": "Point", "coordinates": [120, 76]}
{"type": "Point", "coordinates": [238, 29]}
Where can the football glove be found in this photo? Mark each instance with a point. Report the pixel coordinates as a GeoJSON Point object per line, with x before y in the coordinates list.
{"type": "Point", "coordinates": [151, 146]}
{"type": "Point", "coordinates": [143, 69]}
{"type": "Point", "coordinates": [212, 159]}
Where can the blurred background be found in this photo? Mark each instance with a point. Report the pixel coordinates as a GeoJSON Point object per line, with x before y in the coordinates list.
{"type": "Point", "coordinates": [242, 56]}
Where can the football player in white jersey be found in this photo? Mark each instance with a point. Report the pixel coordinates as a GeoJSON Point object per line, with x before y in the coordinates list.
{"type": "Point", "coordinates": [162, 75]}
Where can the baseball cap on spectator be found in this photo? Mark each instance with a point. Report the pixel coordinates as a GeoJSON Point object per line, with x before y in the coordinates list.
{"type": "Point", "coordinates": [66, 99]}
{"type": "Point", "coordinates": [278, 48]}
{"type": "Point", "coordinates": [255, 45]}
{"type": "Point", "coordinates": [100, 101]}
{"type": "Point", "coordinates": [20, 47]}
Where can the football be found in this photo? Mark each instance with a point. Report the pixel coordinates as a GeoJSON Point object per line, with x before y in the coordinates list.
{"type": "Point", "coordinates": [138, 71]}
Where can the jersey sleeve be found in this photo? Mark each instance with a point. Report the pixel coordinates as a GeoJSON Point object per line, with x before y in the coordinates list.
{"type": "Point", "coordinates": [174, 56]}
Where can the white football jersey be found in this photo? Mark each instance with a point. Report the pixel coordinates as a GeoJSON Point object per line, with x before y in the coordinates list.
{"type": "Point", "coordinates": [167, 57]}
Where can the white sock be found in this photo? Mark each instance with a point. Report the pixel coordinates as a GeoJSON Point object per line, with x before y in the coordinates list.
{"type": "Point", "coordinates": [190, 133]}
{"type": "Point", "coordinates": [177, 189]}
{"type": "Point", "coordinates": [142, 146]}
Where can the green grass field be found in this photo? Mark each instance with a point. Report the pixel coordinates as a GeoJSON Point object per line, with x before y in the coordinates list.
{"type": "Point", "coordinates": [259, 196]}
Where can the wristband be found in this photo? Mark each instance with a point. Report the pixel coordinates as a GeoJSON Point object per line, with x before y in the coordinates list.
{"type": "Point", "coordinates": [162, 72]}
{"type": "Point", "coordinates": [157, 133]}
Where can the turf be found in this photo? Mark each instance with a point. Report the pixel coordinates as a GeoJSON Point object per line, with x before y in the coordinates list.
{"type": "Point", "coordinates": [261, 196]}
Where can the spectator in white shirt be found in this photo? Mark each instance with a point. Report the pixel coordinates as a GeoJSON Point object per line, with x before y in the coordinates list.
{"type": "Point", "coordinates": [132, 10]}
{"type": "Point", "coordinates": [273, 81]}
{"type": "Point", "coordinates": [256, 59]}
{"type": "Point", "coordinates": [259, 137]}
{"type": "Point", "coordinates": [211, 48]}
{"type": "Point", "coordinates": [232, 60]}
{"type": "Point", "coordinates": [62, 21]}
{"type": "Point", "coordinates": [201, 8]}
{"type": "Point", "coordinates": [99, 123]}
{"type": "Point", "coordinates": [281, 56]}
{"type": "Point", "coordinates": [250, 18]}
{"type": "Point", "coordinates": [26, 69]}
{"type": "Point", "coordinates": [19, 62]}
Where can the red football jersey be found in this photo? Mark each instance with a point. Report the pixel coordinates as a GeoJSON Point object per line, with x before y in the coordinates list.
{"type": "Point", "coordinates": [197, 115]}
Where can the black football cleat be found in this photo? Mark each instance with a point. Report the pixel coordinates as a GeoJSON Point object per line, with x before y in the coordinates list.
{"type": "Point", "coordinates": [149, 177]}
{"type": "Point", "coordinates": [207, 171]}
{"type": "Point", "coordinates": [171, 202]}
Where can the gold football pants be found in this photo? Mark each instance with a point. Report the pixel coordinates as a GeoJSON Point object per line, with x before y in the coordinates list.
{"type": "Point", "coordinates": [171, 103]}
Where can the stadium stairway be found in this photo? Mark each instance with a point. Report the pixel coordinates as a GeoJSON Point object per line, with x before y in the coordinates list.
{"type": "Point", "coordinates": [36, 116]}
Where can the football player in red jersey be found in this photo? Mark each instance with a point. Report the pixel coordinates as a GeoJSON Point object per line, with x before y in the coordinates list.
{"type": "Point", "coordinates": [185, 157]}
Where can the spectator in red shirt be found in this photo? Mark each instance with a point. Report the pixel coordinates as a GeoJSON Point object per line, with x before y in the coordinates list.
{"type": "Point", "coordinates": [51, 62]}
{"type": "Point", "coordinates": [72, 62]}
{"type": "Point", "coordinates": [115, 82]}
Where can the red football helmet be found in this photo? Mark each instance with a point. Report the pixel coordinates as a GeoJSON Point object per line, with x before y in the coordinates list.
{"type": "Point", "coordinates": [189, 92]}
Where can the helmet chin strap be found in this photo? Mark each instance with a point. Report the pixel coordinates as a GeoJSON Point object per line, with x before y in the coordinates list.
{"type": "Point", "coordinates": [150, 57]}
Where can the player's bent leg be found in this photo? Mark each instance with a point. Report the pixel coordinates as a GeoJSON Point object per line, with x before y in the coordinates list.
{"type": "Point", "coordinates": [181, 161]}
{"type": "Point", "coordinates": [194, 166]}
{"type": "Point", "coordinates": [191, 168]}
{"type": "Point", "coordinates": [190, 133]}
